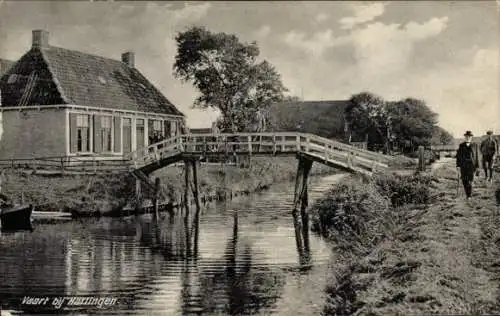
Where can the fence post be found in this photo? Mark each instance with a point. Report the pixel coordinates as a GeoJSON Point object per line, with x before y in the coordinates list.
{"type": "Point", "coordinates": [297, 139]}
{"type": "Point", "coordinates": [421, 158]}
{"type": "Point", "coordinates": [249, 139]}
{"type": "Point", "coordinates": [62, 165]}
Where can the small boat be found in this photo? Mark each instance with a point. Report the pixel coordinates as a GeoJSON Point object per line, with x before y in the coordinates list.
{"type": "Point", "coordinates": [17, 217]}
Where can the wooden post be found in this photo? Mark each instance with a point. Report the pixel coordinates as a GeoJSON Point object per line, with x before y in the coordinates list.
{"type": "Point", "coordinates": [421, 158]}
{"type": "Point", "coordinates": [155, 198]}
{"type": "Point", "coordinates": [274, 144]}
{"type": "Point", "coordinates": [298, 233]}
{"type": "Point", "coordinates": [300, 196]}
{"type": "Point", "coordinates": [62, 165]}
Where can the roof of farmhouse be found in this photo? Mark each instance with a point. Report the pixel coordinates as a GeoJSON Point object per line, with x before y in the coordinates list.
{"type": "Point", "coordinates": [48, 75]}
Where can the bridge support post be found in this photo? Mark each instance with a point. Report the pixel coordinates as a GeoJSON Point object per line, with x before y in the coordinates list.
{"type": "Point", "coordinates": [300, 201]}
{"type": "Point", "coordinates": [191, 184]}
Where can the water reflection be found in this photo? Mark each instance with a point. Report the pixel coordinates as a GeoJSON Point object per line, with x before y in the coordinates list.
{"type": "Point", "coordinates": [242, 258]}
{"type": "Point", "coordinates": [302, 242]}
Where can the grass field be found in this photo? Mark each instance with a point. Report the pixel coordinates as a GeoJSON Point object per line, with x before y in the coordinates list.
{"type": "Point", "coordinates": [435, 257]}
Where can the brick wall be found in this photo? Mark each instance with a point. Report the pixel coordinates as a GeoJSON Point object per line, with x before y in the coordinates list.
{"type": "Point", "coordinates": [33, 133]}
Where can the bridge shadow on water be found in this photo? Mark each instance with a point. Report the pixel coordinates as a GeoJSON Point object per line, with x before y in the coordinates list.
{"type": "Point", "coordinates": [234, 283]}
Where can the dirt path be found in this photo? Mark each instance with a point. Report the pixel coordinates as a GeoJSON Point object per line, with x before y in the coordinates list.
{"type": "Point", "coordinates": [442, 258]}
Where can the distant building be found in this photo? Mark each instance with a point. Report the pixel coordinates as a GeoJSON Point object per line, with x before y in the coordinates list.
{"type": "Point", "coordinates": [63, 103]}
{"type": "Point", "coordinates": [323, 118]}
{"type": "Point", "coordinates": [205, 130]}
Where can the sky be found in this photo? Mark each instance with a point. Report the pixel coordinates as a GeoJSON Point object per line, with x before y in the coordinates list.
{"type": "Point", "coordinates": [445, 53]}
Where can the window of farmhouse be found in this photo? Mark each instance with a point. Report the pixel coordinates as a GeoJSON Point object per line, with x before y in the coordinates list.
{"type": "Point", "coordinates": [154, 130]}
{"type": "Point", "coordinates": [106, 133]}
{"type": "Point", "coordinates": [166, 129]}
{"type": "Point", "coordinates": [80, 132]}
{"type": "Point", "coordinates": [83, 133]}
{"type": "Point", "coordinates": [139, 133]}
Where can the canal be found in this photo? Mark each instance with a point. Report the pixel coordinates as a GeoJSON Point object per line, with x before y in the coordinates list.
{"type": "Point", "coordinates": [240, 257]}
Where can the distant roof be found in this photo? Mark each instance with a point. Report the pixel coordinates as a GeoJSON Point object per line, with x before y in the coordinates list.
{"type": "Point", "coordinates": [5, 65]}
{"type": "Point", "coordinates": [324, 118]}
{"type": "Point", "coordinates": [206, 130]}
{"type": "Point", "coordinates": [63, 76]}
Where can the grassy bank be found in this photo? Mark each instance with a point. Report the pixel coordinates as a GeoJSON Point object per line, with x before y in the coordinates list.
{"type": "Point", "coordinates": [99, 194]}
{"type": "Point", "coordinates": [411, 248]}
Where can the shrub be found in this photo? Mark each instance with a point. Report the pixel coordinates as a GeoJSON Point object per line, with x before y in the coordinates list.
{"type": "Point", "coordinates": [402, 190]}
{"type": "Point", "coordinates": [351, 214]}
{"type": "Point", "coordinates": [401, 161]}
{"type": "Point", "coordinates": [357, 215]}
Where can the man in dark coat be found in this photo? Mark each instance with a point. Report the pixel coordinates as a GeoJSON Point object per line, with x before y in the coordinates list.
{"type": "Point", "coordinates": [467, 162]}
{"type": "Point", "coordinates": [489, 150]}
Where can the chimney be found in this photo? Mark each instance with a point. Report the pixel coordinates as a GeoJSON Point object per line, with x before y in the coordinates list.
{"type": "Point", "coordinates": [129, 59]}
{"type": "Point", "coordinates": [40, 39]}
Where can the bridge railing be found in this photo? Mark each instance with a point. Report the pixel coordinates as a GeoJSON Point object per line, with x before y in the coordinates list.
{"type": "Point", "coordinates": [444, 147]}
{"type": "Point", "coordinates": [258, 143]}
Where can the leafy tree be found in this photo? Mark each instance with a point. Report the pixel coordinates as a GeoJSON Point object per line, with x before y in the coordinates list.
{"type": "Point", "coordinates": [292, 98]}
{"type": "Point", "coordinates": [367, 115]}
{"type": "Point", "coordinates": [407, 123]}
{"type": "Point", "coordinates": [413, 123]}
{"type": "Point", "coordinates": [441, 137]}
{"type": "Point", "coordinates": [228, 76]}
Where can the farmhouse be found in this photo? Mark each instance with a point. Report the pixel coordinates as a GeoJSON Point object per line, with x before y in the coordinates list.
{"type": "Point", "coordinates": [58, 102]}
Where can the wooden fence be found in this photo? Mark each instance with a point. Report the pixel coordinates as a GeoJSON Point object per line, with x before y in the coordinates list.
{"type": "Point", "coordinates": [58, 164]}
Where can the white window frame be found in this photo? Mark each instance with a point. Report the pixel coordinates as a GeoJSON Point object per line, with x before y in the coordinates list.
{"type": "Point", "coordinates": [111, 131]}
{"type": "Point", "coordinates": [80, 118]}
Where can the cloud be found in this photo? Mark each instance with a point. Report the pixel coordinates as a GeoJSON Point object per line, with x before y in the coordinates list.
{"type": "Point", "coordinates": [263, 31]}
{"type": "Point", "coordinates": [386, 49]}
{"type": "Point", "coordinates": [362, 13]}
{"type": "Point", "coordinates": [382, 62]}
{"type": "Point", "coordinates": [378, 46]}
{"type": "Point", "coordinates": [316, 45]}
{"type": "Point", "coordinates": [466, 96]}
{"type": "Point", "coordinates": [322, 17]}
{"type": "Point", "coordinates": [173, 16]}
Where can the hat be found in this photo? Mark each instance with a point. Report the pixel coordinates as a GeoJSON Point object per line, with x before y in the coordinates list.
{"type": "Point", "coordinates": [489, 133]}
{"type": "Point", "coordinates": [468, 133]}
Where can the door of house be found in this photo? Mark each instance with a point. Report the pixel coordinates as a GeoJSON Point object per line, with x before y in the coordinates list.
{"type": "Point", "coordinates": [127, 135]}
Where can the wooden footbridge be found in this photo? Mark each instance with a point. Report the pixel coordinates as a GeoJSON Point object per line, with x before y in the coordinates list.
{"type": "Point", "coordinates": [306, 147]}
{"type": "Point", "coordinates": [312, 147]}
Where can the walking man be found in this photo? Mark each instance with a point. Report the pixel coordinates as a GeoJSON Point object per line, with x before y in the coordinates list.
{"type": "Point", "coordinates": [467, 162]}
{"type": "Point", "coordinates": [489, 150]}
